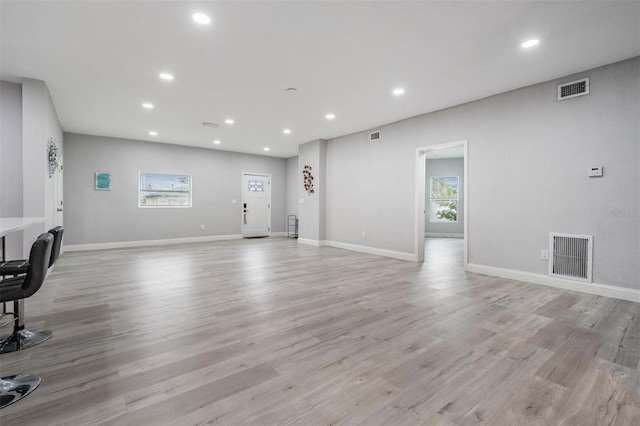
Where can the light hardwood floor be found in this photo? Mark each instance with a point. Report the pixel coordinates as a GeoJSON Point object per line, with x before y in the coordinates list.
{"type": "Point", "coordinates": [267, 332]}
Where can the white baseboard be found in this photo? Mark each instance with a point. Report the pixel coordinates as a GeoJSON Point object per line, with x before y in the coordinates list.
{"type": "Point", "coordinates": [606, 290]}
{"type": "Point", "coordinates": [130, 244]}
{"type": "Point", "coordinates": [441, 235]}
{"type": "Point", "coordinates": [362, 249]}
{"type": "Point", "coordinates": [411, 257]}
{"type": "Point", "coordinates": [315, 243]}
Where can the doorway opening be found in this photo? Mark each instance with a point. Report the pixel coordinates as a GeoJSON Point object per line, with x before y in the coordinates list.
{"type": "Point", "coordinates": [442, 197]}
{"type": "Point", "coordinates": [256, 205]}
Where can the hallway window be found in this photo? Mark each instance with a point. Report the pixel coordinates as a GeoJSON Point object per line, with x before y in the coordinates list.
{"type": "Point", "coordinates": [164, 190]}
{"type": "Point", "coordinates": [443, 199]}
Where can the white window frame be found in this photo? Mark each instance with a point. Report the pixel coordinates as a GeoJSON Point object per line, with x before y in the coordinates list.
{"type": "Point", "coordinates": [432, 218]}
{"type": "Point", "coordinates": [141, 206]}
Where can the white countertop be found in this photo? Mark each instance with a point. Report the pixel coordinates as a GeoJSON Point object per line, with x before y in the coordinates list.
{"type": "Point", "coordinates": [12, 224]}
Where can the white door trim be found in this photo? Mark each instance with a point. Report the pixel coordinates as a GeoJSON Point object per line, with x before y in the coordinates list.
{"type": "Point", "coordinates": [58, 214]}
{"type": "Point", "coordinates": [268, 176]}
{"type": "Point", "coordinates": [420, 216]}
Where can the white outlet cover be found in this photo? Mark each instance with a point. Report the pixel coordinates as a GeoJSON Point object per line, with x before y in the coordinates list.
{"type": "Point", "coordinates": [301, 201]}
{"type": "Point", "coordinates": [233, 201]}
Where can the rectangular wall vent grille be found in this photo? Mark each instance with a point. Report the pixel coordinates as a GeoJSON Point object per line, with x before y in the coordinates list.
{"type": "Point", "coordinates": [573, 89]}
{"type": "Point", "coordinates": [375, 136]}
{"type": "Point", "coordinates": [571, 256]}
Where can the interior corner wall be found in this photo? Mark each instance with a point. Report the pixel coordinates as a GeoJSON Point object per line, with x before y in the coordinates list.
{"type": "Point", "coordinates": [528, 159]}
{"type": "Point", "coordinates": [39, 124]}
{"type": "Point", "coordinates": [445, 167]}
{"type": "Point", "coordinates": [11, 161]}
{"type": "Point", "coordinates": [96, 217]}
{"type": "Point", "coordinates": [294, 176]}
{"type": "Point", "coordinates": [311, 208]}
{"type": "Point", "coordinates": [321, 189]}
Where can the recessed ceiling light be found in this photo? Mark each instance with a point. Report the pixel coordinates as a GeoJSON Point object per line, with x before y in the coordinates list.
{"type": "Point", "coordinates": [201, 18]}
{"type": "Point", "coordinates": [153, 133]}
{"type": "Point", "coordinates": [216, 142]}
{"type": "Point", "coordinates": [330, 116]}
{"type": "Point", "coordinates": [229, 121]}
{"type": "Point", "coordinates": [166, 76]}
{"type": "Point", "coordinates": [530, 43]}
{"type": "Point", "coordinates": [399, 91]}
{"type": "Point", "coordinates": [147, 105]}
{"type": "Point", "coordinates": [266, 148]}
{"type": "Point", "coordinates": [287, 131]}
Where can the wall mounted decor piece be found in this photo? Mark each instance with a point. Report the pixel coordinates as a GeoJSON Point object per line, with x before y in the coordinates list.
{"type": "Point", "coordinates": [164, 190]}
{"type": "Point", "coordinates": [103, 181]}
{"type": "Point", "coordinates": [307, 179]}
{"type": "Point", "coordinates": [52, 155]}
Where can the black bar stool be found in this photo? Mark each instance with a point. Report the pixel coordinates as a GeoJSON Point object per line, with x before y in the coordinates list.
{"type": "Point", "coordinates": [16, 289]}
{"type": "Point", "coordinates": [17, 267]}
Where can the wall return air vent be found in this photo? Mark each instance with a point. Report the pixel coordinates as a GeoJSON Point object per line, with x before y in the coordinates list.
{"type": "Point", "coordinates": [572, 256]}
{"type": "Point", "coordinates": [375, 136]}
{"type": "Point", "coordinates": [573, 89]}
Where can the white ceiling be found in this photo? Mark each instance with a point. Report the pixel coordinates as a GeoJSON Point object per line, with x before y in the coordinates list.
{"type": "Point", "coordinates": [101, 59]}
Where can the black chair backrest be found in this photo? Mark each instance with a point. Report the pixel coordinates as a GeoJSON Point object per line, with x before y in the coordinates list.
{"type": "Point", "coordinates": [57, 243]}
{"type": "Point", "coordinates": [38, 264]}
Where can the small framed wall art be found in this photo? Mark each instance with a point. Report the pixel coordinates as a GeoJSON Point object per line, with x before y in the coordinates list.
{"type": "Point", "coordinates": [103, 181]}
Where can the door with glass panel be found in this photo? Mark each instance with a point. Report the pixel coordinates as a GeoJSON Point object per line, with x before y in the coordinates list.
{"type": "Point", "coordinates": [256, 205]}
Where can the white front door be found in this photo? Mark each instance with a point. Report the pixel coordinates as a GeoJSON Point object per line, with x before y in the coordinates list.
{"type": "Point", "coordinates": [256, 205]}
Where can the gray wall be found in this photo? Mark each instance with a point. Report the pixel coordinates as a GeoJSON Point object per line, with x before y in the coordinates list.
{"type": "Point", "coordinates": [29, 119]}
{"type": "Point", "coordinates": [445, 167]}
{"type": "Point", "coordinates": [312, 211]}
{"type": "Point", "coordinates": [39, 124]}
{"type": "Point", "coordinates": [529, 154]}
{"type": "Point", "coordinates": [113, 216]}
{"type": "Point", "coordinates": [371, 189]}
{"type": "Point", "coordinates": [294, 177]}
{"type": "Point", "coordinates": [11, 161]}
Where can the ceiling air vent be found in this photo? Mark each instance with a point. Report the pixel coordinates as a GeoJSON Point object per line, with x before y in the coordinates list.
{"type": "Point", "coordinates": [375, 136]}
{"type": "Point", "coordinates": [573, 89]}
